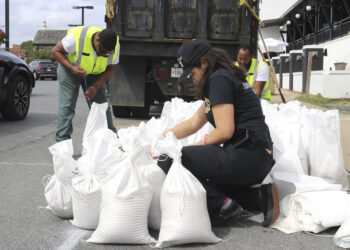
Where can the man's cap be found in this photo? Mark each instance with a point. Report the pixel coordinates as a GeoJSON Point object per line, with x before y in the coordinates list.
{"type": "Point", "coordinates": [108, 39]}
{"type": "Point", "coordinates": [189, 54]}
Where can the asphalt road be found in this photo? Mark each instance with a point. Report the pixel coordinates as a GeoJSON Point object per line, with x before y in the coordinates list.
{"type": "Point", "coordinates": [25, 160]}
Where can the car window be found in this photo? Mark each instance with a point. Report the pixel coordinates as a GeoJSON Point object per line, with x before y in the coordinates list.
{"type": "Point", "coordinates": [46, 64]}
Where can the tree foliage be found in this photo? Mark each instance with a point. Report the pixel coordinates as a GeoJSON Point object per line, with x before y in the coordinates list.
{"type": "Point", "coordinates": [2, 36]}
{"type": "Point", "coordinates": [30, 52]}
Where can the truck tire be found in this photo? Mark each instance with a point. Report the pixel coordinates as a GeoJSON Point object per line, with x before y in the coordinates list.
{"type": "Point", "coordinates": [17, 103]}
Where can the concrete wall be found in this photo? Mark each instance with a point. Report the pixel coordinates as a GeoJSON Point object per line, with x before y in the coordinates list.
{"type": "Point", "coordinates": [338, 51]}
{"type": "Point", "coordinates": [298, 81]}
{"type": "Point", "coordinates": [285, 80]}
{"type": "Point", "coordinates": [330, 84]}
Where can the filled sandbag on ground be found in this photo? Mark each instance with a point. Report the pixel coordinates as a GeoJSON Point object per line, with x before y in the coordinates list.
{"type": "Point", "coordinates": [185, 217]}
{"type": "Point", "coordinates": [126, 198]}
{"type": "Point", "coordinates": [102, 155]}
{"type": "Point", "coordinates": [313, 211]}
{"type": "Point", "coordinates": [58, 190]}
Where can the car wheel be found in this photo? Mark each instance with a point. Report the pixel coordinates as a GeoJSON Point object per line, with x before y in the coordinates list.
{"type": "Point", "coordinates": [18, 99]}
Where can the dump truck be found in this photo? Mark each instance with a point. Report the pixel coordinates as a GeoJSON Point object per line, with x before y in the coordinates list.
{"type": "Point", "coordinates": [150, 33]}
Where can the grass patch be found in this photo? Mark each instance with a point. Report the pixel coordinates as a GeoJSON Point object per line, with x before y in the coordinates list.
{"type": "Point", "coordinates": [342, 104]}
{"type": "Point", "coordinates": [317, 100]}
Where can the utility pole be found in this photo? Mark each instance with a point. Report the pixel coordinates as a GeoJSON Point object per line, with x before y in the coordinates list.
{"type": "Point", "coordinates": [7, 25]}
{"type": "Point", "coordinates": [82, 11]}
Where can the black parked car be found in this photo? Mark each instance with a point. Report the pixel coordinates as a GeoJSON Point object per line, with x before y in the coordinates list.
{"type": "Point", "coordinates": [43, 69]}
{"type": "Point", "coordinates": [16, 84]}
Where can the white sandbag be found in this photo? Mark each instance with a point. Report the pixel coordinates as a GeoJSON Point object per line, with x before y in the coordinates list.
{"type": "Point", "coordinates": [177, 111]}
{"type": "Point", "coordinates": [291, 183]}
{"type": "Point", "coordinates": [86, 201]}
{"type": "Point", "coordinates": [284, 126]}
{"type": "Point", "coordinates": [314, 211]}
{"type": "Point", "coordinates": [141, 138]}
{"type": "Point", "coordinates": [342, 236]}
{"type": "Point", "coordinates": [185, 217]}
{"type": "Point", "coordinates": [58, 191]}
{"type": "Point", "coordinates": [126, 198]}
{"type": "Point", "coordinates": [96, 120]}
{"type": "Point", "coordinates": [325, 151]}
{"type": "Point", "coordinates": [155, 176]}
{"type": "Point", "coordinates": [102, 154]}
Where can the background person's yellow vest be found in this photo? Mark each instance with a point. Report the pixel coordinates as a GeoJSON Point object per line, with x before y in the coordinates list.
{"type": "Point", "coordinates": [84, 56]}
{"type": "Point", "coordinates": [251, 77]}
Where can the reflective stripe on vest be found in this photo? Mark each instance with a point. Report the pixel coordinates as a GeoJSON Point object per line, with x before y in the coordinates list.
{"type": "Point", "coordinates": [81, 44]}
{"type": "Point", "coordinates": [83, 56]}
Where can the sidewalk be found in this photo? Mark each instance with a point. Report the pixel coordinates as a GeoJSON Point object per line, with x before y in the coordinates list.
{"type": "Point", "coordinates": [344, 123]}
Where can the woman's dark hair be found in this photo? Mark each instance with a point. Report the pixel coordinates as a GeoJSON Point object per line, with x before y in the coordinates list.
{"type": "Point", "coordinates": [217, 59]}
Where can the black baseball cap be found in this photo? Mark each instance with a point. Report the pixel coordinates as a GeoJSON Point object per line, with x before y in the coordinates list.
{"type": "Point", "coordinates": [108, 39]}
{"type": "Point", "coordinates": [189, 54]}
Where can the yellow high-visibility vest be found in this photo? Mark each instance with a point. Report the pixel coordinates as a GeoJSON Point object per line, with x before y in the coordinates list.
{"type": "Point", "coordinates": [84, 56]}
{"type": "Point", "coordinates": [251, 77]}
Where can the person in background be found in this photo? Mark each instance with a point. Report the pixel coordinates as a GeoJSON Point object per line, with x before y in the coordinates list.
{"type": "Point", "coordinates": [257, 72]}
{"type": "Point", "coordinates": [227, 172]}
{"type": "Point", "coordinates": [87, 57]}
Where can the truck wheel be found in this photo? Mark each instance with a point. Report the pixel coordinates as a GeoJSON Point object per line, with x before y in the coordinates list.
{"type": "Point", "coordinates": [121, 111]}
{"type": "Point", "coordinates": [17, 103]}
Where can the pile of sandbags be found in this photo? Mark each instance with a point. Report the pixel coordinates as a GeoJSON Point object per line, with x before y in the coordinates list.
{"type": "Point", "coordinates": [118, 190]}
{"type": "Point", "coordinates": [309, 171]}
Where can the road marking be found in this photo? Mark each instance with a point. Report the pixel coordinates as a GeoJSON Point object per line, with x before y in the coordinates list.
{"type": "Point", "coordinates": [25, 163]}
{"type": "Point", "coordinates": [75, 236]}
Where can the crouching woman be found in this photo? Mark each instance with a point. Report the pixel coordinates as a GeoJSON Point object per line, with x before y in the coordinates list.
{"type": "Point", "coordinates": [238, 152]}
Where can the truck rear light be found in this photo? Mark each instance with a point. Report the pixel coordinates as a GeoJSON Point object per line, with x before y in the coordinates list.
{"type": "Point", "coordinates": [162, 73]}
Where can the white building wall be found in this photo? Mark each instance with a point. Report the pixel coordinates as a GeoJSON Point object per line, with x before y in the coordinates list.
{"type": "Point", "coordinates": [336, 84]}
{"type": "Point", "coordinates": [316, 83]}
{"type": "Point", "coordinates": [298, 81]}
{"type": "Point", "coordinates": [338, 51]}
{"type": "Point", "coordinates": [331, 84]}
{"type": "Point", "coordinates": [285, 80]}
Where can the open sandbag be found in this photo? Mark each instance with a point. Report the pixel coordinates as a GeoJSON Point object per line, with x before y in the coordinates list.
{"type": "Point", "coordinates": [185, 217]}
{"type": "Point", "coordinates": [58, 191]}
{"type": "Point", "coordinates": [97, 119]}
{"type": "Point", "coordinates": [126, 198]}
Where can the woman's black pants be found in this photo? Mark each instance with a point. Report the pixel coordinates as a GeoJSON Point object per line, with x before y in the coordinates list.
{"type": "Point", "coordinates": [226, 171]}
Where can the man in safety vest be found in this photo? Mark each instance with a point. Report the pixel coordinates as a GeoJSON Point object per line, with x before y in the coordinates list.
{"type": "Point", "coordinates": [257, 72]}
{"type": "Point", "coordinates": [87, 56]}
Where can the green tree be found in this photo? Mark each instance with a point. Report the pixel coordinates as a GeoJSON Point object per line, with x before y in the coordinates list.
{"type": "Point", "coordinates": [2, 36]}
{"type": "Point", "coordinates": [30, 52]}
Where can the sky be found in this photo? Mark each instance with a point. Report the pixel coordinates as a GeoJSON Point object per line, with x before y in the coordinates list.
{"type": "Point", "coordinates": [27, 16]}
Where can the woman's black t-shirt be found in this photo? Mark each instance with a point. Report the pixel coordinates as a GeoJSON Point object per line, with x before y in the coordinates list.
{"type": "Point", "coordinates": [224, 87]}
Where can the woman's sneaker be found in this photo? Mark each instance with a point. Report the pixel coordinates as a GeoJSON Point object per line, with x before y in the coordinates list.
{"type": "Point", "coordinates": [229, 210]}
{"type": "Point", "coordinates": [269, 203]}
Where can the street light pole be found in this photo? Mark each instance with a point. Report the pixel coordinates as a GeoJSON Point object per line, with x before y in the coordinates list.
{"type": "Point", "coordinates": [82, 11]}
{"type": "Point", "coordinates": [7, 25]}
